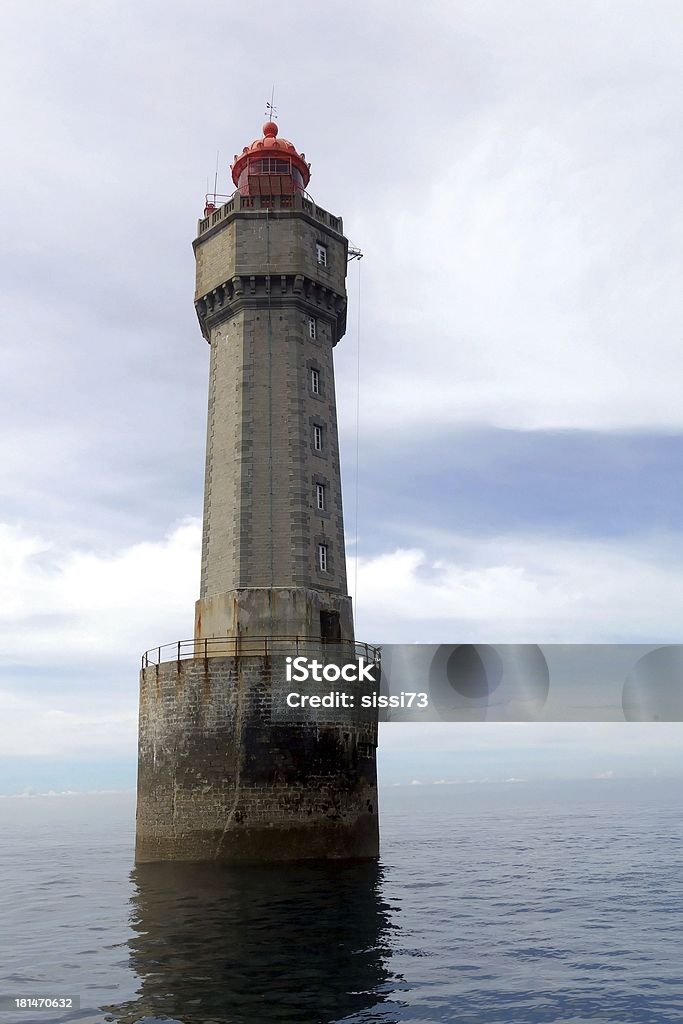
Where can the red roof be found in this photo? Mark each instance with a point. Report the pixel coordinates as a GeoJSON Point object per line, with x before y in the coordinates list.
{"type": "Point", "coordinates": [270, 145]}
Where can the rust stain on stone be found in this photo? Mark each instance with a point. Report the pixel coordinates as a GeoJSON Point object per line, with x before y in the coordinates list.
{"type": "Point", "coordinates": [206, 682]}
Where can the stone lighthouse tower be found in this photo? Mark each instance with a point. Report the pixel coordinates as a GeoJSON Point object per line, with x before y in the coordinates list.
{"type": "Point", "coordinates": [271, 302]}
{"type": "Point", "coordinates": [227, 769]}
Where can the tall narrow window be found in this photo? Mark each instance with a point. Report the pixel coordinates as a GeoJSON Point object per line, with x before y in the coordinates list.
{"type": "Point", "coordinates": [312, 327]}
{"type": "Point", "coordinates": [321, 250]}
{"type": "Point", "coordinates": [315, 382]}
{"type": "Point", "coordinates": [320, 496]}
{"type": "Point", "coordinates": [318, 438]}
{"type": "Point", "coordinates": [322, 557]}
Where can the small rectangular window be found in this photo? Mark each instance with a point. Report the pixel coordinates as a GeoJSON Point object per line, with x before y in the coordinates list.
{"type": "Point", "coordinates": [318, 438]}
{"type": "Point", "coordinates": [270, 167]}
{"type": "Point", "coordinates": [312, 327]}
{"type": "Point", "coordinates": [320, 496]}
{"type": "Point", "coordinates": [315, 382]}
{"type": "Point", "coordinates": [322, 557]}
{"type": "Point", "coordinates": [322, 254]}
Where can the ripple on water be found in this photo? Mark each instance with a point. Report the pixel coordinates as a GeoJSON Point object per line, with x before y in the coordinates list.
{"type": "Point", "coordinates": [475, 915]}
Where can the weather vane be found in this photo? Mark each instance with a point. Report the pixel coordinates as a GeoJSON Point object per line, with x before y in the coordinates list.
{"type": "Point", "coordinates": [271, 110]}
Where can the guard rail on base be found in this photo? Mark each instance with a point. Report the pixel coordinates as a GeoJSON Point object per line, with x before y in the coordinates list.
{"type": "Point", "coordinates": [258, 646]}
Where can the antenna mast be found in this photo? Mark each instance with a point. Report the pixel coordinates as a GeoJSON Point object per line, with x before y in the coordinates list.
{"type": "Point", "coordinates": [271, 109]}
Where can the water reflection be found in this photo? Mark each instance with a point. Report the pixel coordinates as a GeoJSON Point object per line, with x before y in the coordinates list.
{"type": "Point", "coordinates": [305, 944]}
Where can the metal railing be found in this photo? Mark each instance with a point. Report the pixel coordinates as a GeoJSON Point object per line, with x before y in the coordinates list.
{"type": "Point", "coordinates": [218, 206]}
{"type": "Point", "coordinates": [259, 646]}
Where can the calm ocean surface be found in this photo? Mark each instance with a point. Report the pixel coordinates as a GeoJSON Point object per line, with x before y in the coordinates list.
{"type": "Point", "coordinates": [518, 904]}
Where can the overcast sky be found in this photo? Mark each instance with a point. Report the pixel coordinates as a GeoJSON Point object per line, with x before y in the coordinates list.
{"type": "Point", "coordinates": [512, 173]}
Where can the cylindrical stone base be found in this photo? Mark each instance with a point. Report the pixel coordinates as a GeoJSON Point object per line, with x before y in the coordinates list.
{"type": "Point", "coordinates": [227, 772]}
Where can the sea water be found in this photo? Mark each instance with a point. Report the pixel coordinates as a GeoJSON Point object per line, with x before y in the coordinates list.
{"type": "Point", "coordinates": [492, 903]}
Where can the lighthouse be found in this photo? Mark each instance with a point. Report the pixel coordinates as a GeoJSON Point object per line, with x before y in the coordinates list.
{"type": "Point", "coordinates": [230, 767]}
{"type": "Point", "coordinates": [271, 302]}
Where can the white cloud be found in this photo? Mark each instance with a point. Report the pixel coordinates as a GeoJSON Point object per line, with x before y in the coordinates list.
{"type": "Point", "coordinates": [501, 740]}
{"type": "Point", "coordinates": [61, 610]}
{"type": "Point", "coordinates": [522, 589]}
{"type": "Point", "coordinates": [30, 727]}
{"type": "Point", "coordinates": [513, 179]}
{"type": "Point", "coordinates": [59, 605]}
{"type": "Point", "coordinates": [535, 284]}
{"type": "Point", "coordinates": [81, 620]}
{"type": "Point", "coordinates": [32, 794]}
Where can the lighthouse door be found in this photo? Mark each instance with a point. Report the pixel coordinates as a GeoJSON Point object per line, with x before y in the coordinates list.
{"type": "Point", "coordinates": [330, 627]}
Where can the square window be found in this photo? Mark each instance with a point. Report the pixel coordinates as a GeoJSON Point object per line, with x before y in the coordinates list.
{"type": "Point", "coordinates": [318, 438]}
{"type": "Point", "coordinates": [320, 496]}
{"type": "Point", "coordinates": [322, 557]}
{"type": "Point", "coordinates": [312, 327]}
{"type": "Point", "coordinates": [315, 382]}
{"type": "Point", "coordinates": [321, 250]}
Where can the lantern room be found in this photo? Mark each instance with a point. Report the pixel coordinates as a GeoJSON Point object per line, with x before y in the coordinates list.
{"type": "Point", "coordinates": [270, 166]}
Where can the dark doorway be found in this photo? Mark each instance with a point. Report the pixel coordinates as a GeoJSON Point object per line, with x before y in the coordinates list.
{"type": "Point", "coordinates": [330, 627]}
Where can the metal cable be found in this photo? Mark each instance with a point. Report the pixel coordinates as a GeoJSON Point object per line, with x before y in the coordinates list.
{"type": "Point", "coordinates": [355, 570]}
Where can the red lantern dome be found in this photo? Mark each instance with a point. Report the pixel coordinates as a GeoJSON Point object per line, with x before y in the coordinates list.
{"type": "Point", "coordinates": [270, 166]}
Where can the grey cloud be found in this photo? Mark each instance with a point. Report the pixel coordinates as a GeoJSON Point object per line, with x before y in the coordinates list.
{"type": "Point", "coordinates": [512, 173]}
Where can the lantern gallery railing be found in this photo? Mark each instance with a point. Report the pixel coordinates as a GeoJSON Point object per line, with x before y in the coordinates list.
{"type": "Point", "coordinates": [218, 207]}
{"type": "Point", "coordinates": [258, 646]}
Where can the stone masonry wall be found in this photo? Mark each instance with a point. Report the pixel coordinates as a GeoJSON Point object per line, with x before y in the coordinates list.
{"type": "Point", "coordinates": [227, 772]}
{"type": "Point", "coordinates": [260, 612]}
{"type": "Point", "coordinates": [262, 526]}
{"type": "Point", "coordinates": [257, 242]}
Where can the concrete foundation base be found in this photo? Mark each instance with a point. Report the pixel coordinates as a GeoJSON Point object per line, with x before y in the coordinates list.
{"type": "Point", "coordinates": [260, 845]}
{"type": "Point", "coordinates": [258, 611]}
{"type": "Point", "coordinates": [227, 772]}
